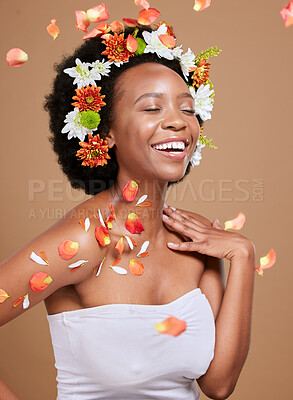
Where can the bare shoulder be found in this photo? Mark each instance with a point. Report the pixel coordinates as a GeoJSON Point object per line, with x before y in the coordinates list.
{"type": "Point", "coordinates": [62, 255]}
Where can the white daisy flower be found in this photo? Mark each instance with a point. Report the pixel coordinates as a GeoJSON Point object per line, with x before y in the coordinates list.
{"type": "Point", "coordinates": [100, 68]}
{"type": "Point", "coordinates": [177, 52]}
{"type": "Point", "coordinates": [202, 101]}
{"type": "Point", "coordinates": [154, 45]}
{"type": "Point", "coordinates": [196, 156]}
{"type": "Point", "coordinates": [83, 76]}
{"type": "Point", "coordinates": [187, 60]}
{"type": "Point", "coordinates": [73, 126]}
{"type": "Point", "coordinates": [119, 63]}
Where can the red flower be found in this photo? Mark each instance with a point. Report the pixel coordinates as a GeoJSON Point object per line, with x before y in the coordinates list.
{"type": "Point", "coordinates": [116, 48]}
{"type": "Point", "coordinates": [88, 98]}
{"type": "Point", "coordinates": [93, 153]}
{"type": "Point", "coordinates": [201, 73]}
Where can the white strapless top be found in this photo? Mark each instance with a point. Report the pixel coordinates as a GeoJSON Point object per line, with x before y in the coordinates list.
{"type": "Point", "coordinates": [114, 351]}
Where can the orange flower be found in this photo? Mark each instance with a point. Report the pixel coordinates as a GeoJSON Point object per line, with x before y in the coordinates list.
{"type": "Point", "coordinates": [169, 29]}
{"type": "Point", "coordinates": [93, 153]}
{"type": "Point", "coordinates": [201, 73]}
{"type": "Point", "coordinates": [116, 48]}
{"type": "Point", "coordinates": [88, 98]}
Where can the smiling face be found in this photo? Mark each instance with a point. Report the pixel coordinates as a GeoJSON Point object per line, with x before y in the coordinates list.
{"type": "Point", "coordinates": [155, 130]}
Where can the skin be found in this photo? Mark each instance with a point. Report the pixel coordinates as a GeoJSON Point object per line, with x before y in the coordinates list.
{"type": "Point", "coordinates": [170, 271]}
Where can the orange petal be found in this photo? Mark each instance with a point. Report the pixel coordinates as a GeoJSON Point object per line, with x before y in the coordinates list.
{"type": "Point", "coordinates": [18, 301]}
{"type": "Point", "coordinates": [82, 20]}
{"type": "Point", "coordinates": [130, 22]}
{"type": "Point", "coordinates": [287, 14]}
{"type": "Point", "coordinates": [112, 210]}
{"type": "Point", "coordinates": [130, 190]}
{"type": "Point", "coordinates": [236, 223]}
{"type": "Point", "coordinates": [16, 57]}
{"type": "Point", "coordinates": [147, 17]}
{"type": "Point", "coordinates": [117, 27]}
{"type": "Point", "coordinates": [109, 220]}
{"type": "Point", "coordinates": [142, 3]}
{"type": "Point", "coordinates": [145, 204]}
{"type": "Point", "coordinates": [52, 29]}
{"type": "Point", "coordinates": [131, 44]}
{"type": "Point", "coordinates": [106, 36]}
{"type": "Point", "coordinates": [99, 30]}
{"type": "Point", "coordinates": [133, 224]}
{"type": "Point", "coordinates": [115, 262]}
{"type": "Point", "coordinates": [168, 41]}
{"type": "Point", "coordinates": [102, 235]}
{"type": "Point", "coordinates": [98, 13]}
{"type": "Point", "coordinates": [136, 267]}
{"type": "Point", "coordinates": [146, 253]}
{"type": "Point", "coordinates": [44, 257]}
{"type": "Point", "coordinates": [67, 249]}
{"type": "Point", "coordinates": [266, 261]}
{"type": "Point", "coordinates": [40, 281]}
{"type": "Point", "coordinates": [200, 5]}
{"type": "Point", "coordinates": [120, 245]}
{"type": "Point", "coordinates": [3, 295]}
{"type": "Point", "coordinates": [171, 326]}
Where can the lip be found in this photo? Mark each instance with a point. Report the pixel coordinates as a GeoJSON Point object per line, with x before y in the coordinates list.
{"type": "Point", "coordinates": [173, 139]}
{"type": "Point", "coordinates": [179, 156]}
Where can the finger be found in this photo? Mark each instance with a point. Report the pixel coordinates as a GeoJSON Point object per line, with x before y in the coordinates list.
{"type": "Point", "coordinates": [185, 219]}
{"type": "Point", "coordinates": [180, 227]}
{"type": "Point", "coordinates": [216, 224]}
{"type": "Point", "coordinates": [183, 246]}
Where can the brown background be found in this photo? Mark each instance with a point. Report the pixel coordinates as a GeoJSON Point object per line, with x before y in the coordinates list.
{"type": "Point", "coordinates": [250, 171]}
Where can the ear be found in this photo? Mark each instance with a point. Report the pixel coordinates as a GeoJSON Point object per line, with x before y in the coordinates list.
{"type": "Point", "coordinates": [110, 139]}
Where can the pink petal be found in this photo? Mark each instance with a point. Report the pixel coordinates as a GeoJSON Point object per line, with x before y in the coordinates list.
{"type": "Point", "coordinates": [236, 223]}
{"type": "Point", "coordinates": [142, 3]}
{"type": "Point", "coordinates": [99, 30]}
{"type": "Point", "coordinates": [52, 29]}
{"type": "Point", "coordinates": [131, 44]}
{"type": "Point", "coordinates": [98, 13]}
{"type": "Point", "coordinates": [147, 17]}
{"type": "Point", "coordinates": [200, 5]}
{"type": "Point", "coordinates": [117, 27]}
{"type": "Point", "coordinates": [82, 20]}
{"type": "Point", "coordinates": [287, 14]}
{"type": "Point", "coordinates": [130, 22]}
{"type": "Point", "coordinates": [16, 57]}
{"type": "Point", "coordinates": [168, 40]}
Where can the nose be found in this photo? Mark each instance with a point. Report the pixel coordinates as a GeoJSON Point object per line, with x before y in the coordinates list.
{"type": "Point", "coordinates": [173, 120]}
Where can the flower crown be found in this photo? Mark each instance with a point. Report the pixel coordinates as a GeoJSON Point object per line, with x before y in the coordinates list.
{"type": "Point", "coordinates": [85, 117]}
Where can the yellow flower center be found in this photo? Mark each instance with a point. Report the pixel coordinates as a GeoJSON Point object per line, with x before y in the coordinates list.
{"type": "Point", "coordinates": [89, 99]}
{"type": "Point", "coordinates": [120, 48]}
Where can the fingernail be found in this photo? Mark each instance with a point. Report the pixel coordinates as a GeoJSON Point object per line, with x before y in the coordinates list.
{"type": "Point", "coordinates": [218, 221]}
{"type": "Point", "coordinates": [165, 216]}
{"type": "Point", "coordinates": [165, 205]}
{"type": "Point", "coordinates": [172, 244]}
{"type": "Point", "coordinates": [173, 208]}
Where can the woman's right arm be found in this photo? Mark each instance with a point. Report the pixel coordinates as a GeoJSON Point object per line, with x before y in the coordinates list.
{"type": "Point", "coordinates": [21, 276]}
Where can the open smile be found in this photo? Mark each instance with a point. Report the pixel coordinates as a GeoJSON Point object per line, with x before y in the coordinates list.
{"type": "Point", "coordinates": [175, 149]}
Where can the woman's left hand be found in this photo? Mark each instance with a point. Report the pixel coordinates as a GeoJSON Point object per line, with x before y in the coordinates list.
{"type": "Point", "coordinates": [210, 240]}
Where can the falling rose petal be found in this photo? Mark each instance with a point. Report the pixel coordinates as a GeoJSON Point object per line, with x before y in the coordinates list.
{"type": "Point", "coordinates": [144, 247]}
{"type": "Point", "coordinates": [266, 261]}
{"type": "Point", "coordinates": [115, 262]}
{"type": "Point", "coordinates": [130, 190]}
{"type": "Point", "coordinates": [67, 249]}
{"type": "Point", "coordinates": [120, 245]}
{"type": "Point", "coordinates": [77, 265]}
{"type": "Point", "coordinates": [52, 29]}
{"type": "Point", "coordinates": [133, 224]}
{"type": "Point", "coordinates": [101, 218]}
{"type": "Point", "coordinates": [18, 301]}
{"type": "Point", "coordinates": [26, 302]}
{"type": "Point", "coordinates": [106, 36]}
{"type": "Point", "coordinates": [119, 270]}
{"type": "Point", "coordinates": [200, 5]}
{"type": "Point", "coordinates": [38, 259]}
{"type": "Point", "coordinates": [112, 210]}
{"type": "Point", "coordinates": [287, 14]}
{"type": "Point", "coordinates": [141, 199]}
{"type": "Point", "coordinates": [117, 27]}
{"type": "Point", "coordinates": [147, 17]}
{"type": "Point", "coordinates": [142, 3]}
{"type": "Point", "coordinates": [44, 257]}
{"type": "Point", "coordinates": [130, 22]}
{"type": "Point", "coordinates": [171, 326]}
{"type": "Point", "coordinates": [109, 220]}
{"type": "Point", "coordinates": [145, 204]}
{"type": "Point", "coordinates": [136, 267]}
{"type": "Point", "coordinates": [131, 44]}
{"type": "Point", "coordinates": [98, 13]}
{"type": "Point", "coordinates": [102, 235]}
{"type": "Point", "coordinates": [3, 296]}
{"type": "Point", "coordinates": [99, 30]}
{"type": "Point", "coordinates": [40, 281]}
{"type": "Point", "coordinates": [82, 20]}
{"type": "Point", "coordinates": [100, 266]}
{"type": "Point", "coordinates": [236, 223]}
{"type": "Point", "coordinates": [16, 57]}
{"type": "Point", "coordinates": [145, 254]}
{"type": "Point", "coordinates": [168, 41]}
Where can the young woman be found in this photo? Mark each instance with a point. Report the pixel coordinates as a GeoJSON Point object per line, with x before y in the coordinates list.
{"type": "Point", "coordinates": [126, 325]}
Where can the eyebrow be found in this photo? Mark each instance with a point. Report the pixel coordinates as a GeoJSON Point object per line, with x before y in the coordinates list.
{"type": "Point", "coordinates": [158, 94]}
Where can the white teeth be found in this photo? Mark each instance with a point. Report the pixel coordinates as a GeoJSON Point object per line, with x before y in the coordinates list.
{"type": "Point", "coordinates": [170, 145]}
{"type": "Point", "coordinates": [164, 146]}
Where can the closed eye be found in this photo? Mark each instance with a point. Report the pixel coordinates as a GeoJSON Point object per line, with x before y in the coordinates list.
{"type": "Point", "coordinates": [157, 109]}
